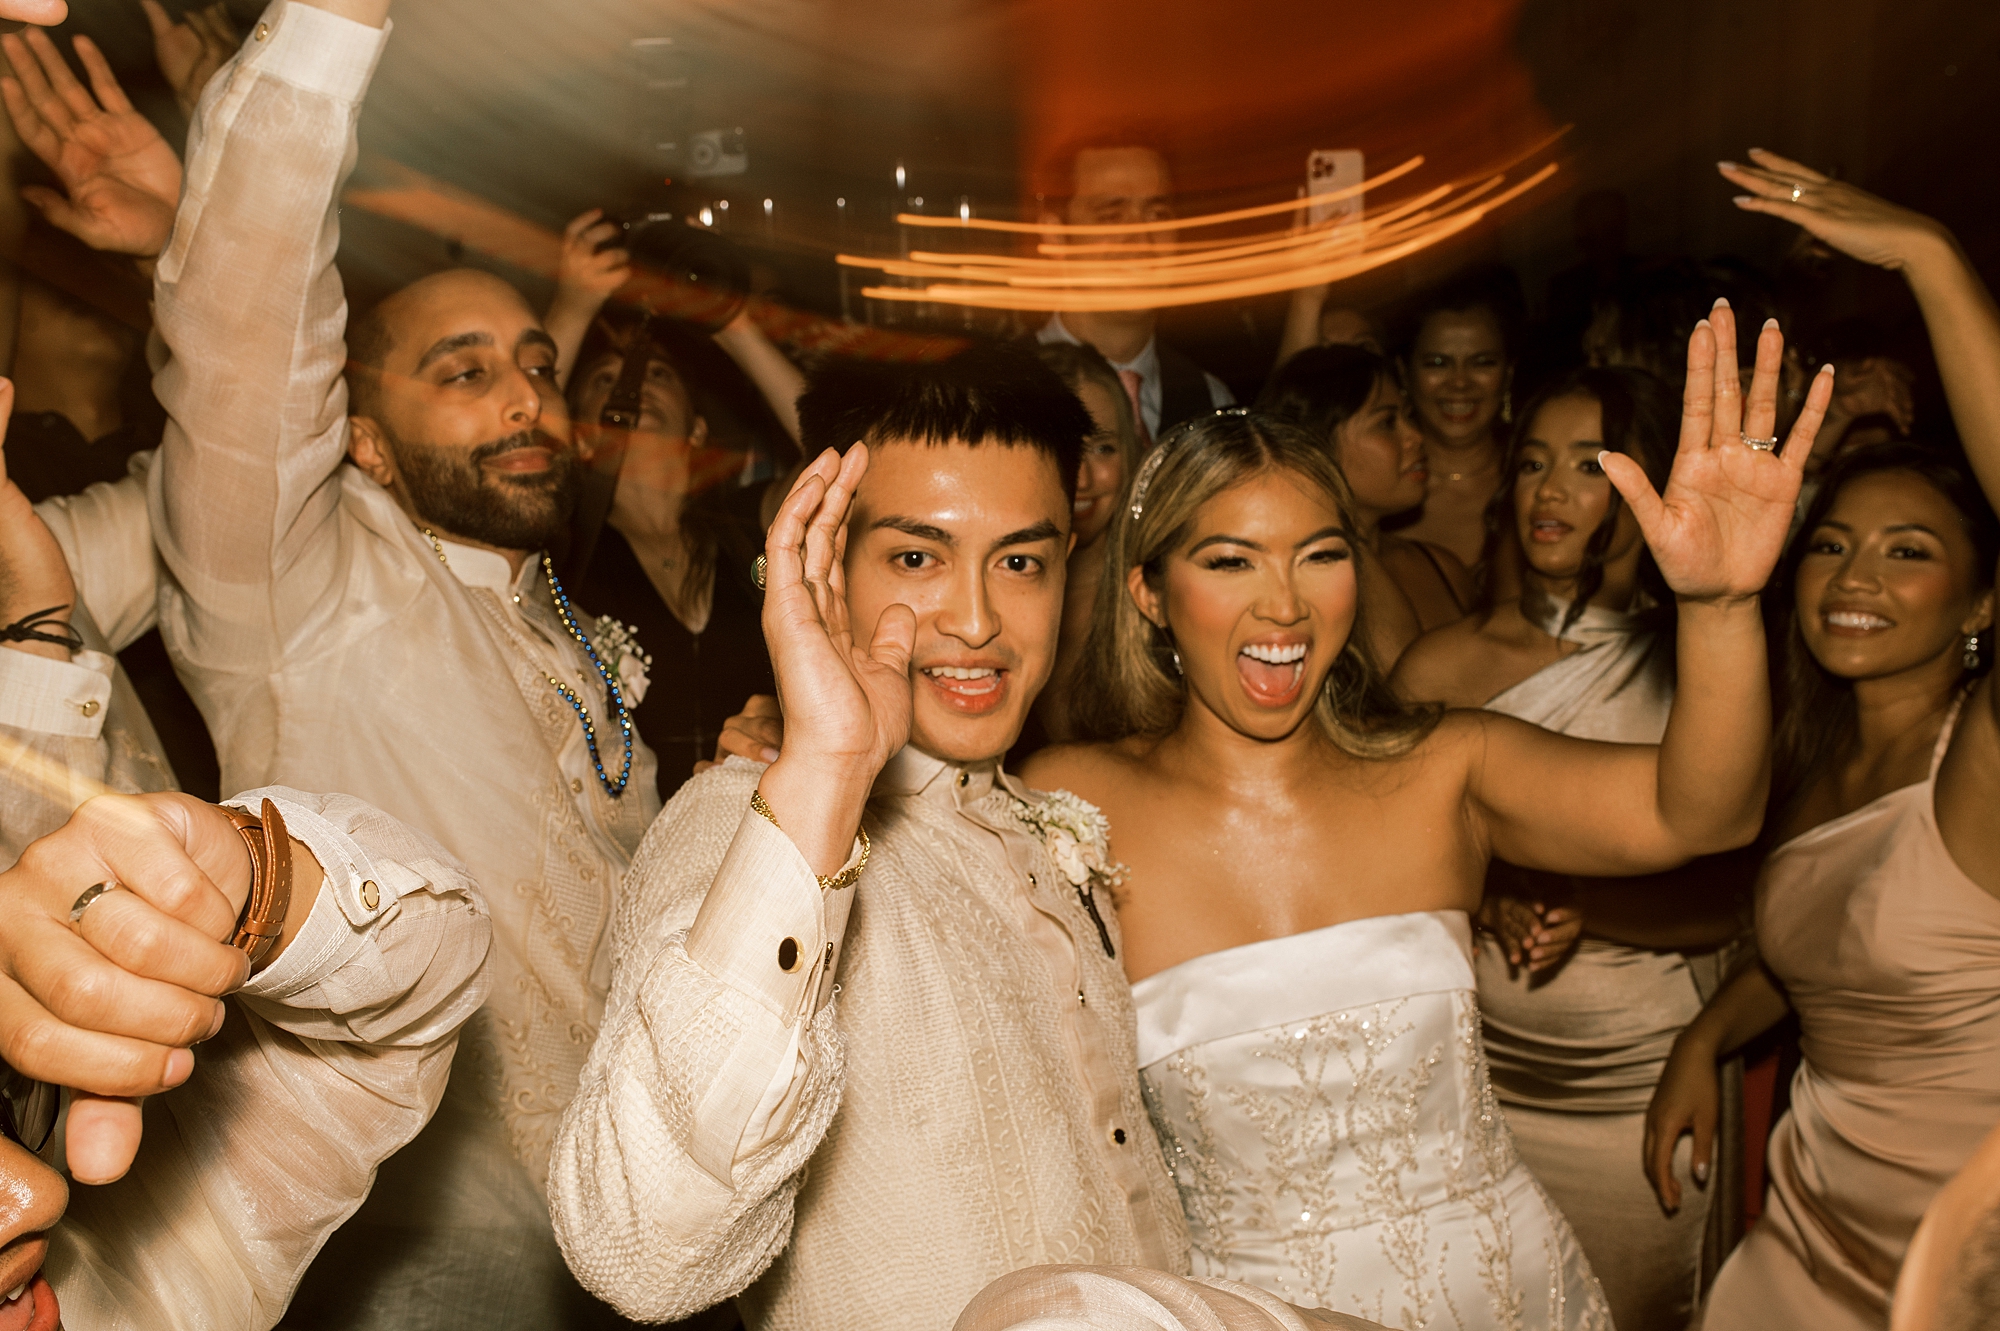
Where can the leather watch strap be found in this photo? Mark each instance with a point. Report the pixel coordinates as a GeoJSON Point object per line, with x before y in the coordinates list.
{"type": "Point", "coordinates": [263, 920]}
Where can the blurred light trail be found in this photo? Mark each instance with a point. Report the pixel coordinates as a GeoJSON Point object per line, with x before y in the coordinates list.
{"type": "Point", "coordinates": [1145, 265]}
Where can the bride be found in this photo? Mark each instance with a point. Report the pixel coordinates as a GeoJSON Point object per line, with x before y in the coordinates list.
{"type": "Point", "coordinates": [1303, 851]}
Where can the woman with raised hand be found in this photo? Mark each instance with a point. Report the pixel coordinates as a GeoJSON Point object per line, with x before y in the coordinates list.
{"type": "Point", "coordinates": [1304, 852]}
{"type": "Point", "coordinates": [1877, 917]}
{"type": "Point", "coordinates": [1350, 398]}
{"type": "Point", "coordinates": [1577, 1036]}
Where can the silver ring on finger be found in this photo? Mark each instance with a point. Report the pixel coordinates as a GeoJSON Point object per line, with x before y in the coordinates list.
{"type": "Point", "coordinates": [83, 902]}
{"type": "Point", "coordinates": [1761, 445]}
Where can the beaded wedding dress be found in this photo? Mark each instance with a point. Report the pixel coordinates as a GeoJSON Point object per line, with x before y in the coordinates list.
{"type": "Point", "coordinates": [1324, 1105]}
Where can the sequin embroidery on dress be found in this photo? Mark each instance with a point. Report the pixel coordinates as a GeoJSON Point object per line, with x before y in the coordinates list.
{"type": "Point", "coordinates": [1324, 1106]}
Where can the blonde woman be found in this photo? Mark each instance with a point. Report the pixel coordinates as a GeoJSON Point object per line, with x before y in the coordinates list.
{"type": "Point", "coordinates": [1110, 460]}
{"type": "Point", "coordinates": [1305, 852]}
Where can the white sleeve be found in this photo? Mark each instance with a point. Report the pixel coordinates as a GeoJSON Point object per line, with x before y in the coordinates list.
{"type": "Point", "coordinates": [331, 1060]}
{"type": "Point", "coordinates": [717, 1068]}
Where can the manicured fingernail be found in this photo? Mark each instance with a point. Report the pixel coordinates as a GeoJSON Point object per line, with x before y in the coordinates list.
{"type": "Point", "coordinates": [1701, 323]}
{"type": "Point", "coordinates": [1728, 166]}
{"type": "Point", "coordinates": [1721, 303]}
{"type": "Point", "coordinates": [770, 755]}
{"type": "Point", "coordinates": [1770, 323]}
{"type": "Point", "coordinates": [180, 1066]}
{"type": "Point", "coordinates": [1826, 369]}
{"type": "Point", "coordinates": [1743, 200]}
{"type": "Point", "coordinates": [1700, 1171]}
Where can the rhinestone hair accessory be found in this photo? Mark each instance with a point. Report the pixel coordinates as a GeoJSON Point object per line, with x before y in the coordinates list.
{"type": "Point", "coordinates": [1151, 466]}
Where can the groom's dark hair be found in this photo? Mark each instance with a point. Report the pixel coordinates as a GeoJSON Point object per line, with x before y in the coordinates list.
{"type": "Point", "coordinates": [984, 392]}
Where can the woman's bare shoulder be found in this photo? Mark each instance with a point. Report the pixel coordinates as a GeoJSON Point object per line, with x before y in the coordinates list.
{"type": "Point", "coordinates": [1441, 665]}
{"type": "Point", "coordinates": [1087, 769]}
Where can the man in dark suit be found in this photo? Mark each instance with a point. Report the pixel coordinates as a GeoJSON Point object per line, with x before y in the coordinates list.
{"type": "Point", "coordinates": [1121, 178]}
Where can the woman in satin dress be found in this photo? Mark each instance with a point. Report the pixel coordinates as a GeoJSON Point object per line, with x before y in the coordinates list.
{"type": "Point", "coordinates": [1304, 852]}
{"type": "Point", "coordinates": [1878, 911]}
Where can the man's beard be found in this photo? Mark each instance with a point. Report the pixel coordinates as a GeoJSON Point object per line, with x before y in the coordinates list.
{"type": "Point", "coordinates": [452, 491]}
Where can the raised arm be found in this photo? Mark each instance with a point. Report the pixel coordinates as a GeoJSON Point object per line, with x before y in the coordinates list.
{"type": "Point", "coordinates": [718, 1069]}
{"type": "Point", "coordinates": [1958, 309]}
{"type": "Point", "coordinates": [1964, 328]}
{"type": "Point", "coordinates": [250, 308]}
{"type": "Point", "coordinates": [1572, 806]}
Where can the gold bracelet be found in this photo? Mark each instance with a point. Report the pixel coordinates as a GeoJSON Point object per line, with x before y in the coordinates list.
{"type": "Point", "coordinates": [828, 882]}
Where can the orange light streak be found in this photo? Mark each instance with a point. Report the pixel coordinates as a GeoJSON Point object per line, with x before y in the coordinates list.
{"type": "Point", "coordinates": [1222, 270]}
{"type": "Point", "coordinates": [1170, 224]}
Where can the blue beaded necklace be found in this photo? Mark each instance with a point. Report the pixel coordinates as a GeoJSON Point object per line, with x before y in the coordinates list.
{"type": "Point", "coordinates": [567, 613]}
{"type": "Point", "coordinates": [612, 788]}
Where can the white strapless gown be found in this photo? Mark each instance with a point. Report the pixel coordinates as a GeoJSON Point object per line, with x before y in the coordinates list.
{"type": "Point", "coordinates": [1324, 1106]}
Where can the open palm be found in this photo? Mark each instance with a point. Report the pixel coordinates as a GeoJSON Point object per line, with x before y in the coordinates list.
{"type": "Point", "coordinates": [121, 182]}
{"type": "Point", "coordinates": [846, 704]}
{"type": "Point", "coordinates": [1718, 530]}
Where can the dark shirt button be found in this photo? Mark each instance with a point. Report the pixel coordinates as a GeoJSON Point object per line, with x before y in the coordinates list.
{"type": "Point", "coordinates": [788, 955]}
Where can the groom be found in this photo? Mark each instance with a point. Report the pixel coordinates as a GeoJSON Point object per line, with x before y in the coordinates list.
{"type": "Point", "coordinates": [970, 1105]}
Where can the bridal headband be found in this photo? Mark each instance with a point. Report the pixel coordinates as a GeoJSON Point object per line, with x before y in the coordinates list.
{"type": "Point", "coordinates": [1151, 466]}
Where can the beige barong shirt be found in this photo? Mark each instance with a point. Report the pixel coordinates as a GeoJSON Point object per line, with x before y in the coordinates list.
{"type": "Point", "coordinates": [943, 1090]}
{"type": "Point", "coordinates": [330, 646]}
{"type": "Point", "coordinates": [331, 1059]}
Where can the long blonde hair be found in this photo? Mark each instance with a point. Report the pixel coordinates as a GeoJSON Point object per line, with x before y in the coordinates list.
{"type": "Point", "coordinates": [1126, 684]}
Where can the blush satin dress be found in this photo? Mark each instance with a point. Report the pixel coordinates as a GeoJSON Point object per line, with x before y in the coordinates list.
{"type": "Point", "coordinates": [1891, 957]}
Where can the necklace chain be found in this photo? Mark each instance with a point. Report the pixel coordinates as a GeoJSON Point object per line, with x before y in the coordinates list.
{"type": "Point", "coordinates": [566, 613]}
{"type": "Point", "coordinates": [612, 788]}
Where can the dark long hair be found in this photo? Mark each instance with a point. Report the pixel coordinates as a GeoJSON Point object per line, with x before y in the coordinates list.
{"type": "Point", "coordinates": [1640, 418]}
{"type": "Point", "coordinates": [1320, 389]}
{"type": "Point", "coordinates": [1816, 721]}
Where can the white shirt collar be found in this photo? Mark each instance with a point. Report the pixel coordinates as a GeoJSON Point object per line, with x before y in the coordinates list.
{"type": "Point", "coordinates": [478, 568]}
{"type": "Point", "coordinates": [1147, 362]}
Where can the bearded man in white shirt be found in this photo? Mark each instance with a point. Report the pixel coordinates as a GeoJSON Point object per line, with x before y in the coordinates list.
{"type": "Point", "coordinates": [970, 1105]}
{"type": "Point", "coordinates": [389, 628]}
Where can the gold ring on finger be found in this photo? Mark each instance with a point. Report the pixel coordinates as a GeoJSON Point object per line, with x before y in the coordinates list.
{"type": "Point", "coordinates": [759, 570]}
{"type": "Point", "coordinates": [1797, 190]}
{"type": "Point", "coordinates": [83, 902]}
{"type": "Point", "coordinates": [1761, 445]}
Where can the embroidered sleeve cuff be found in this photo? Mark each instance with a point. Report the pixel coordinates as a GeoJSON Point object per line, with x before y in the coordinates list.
{"type": "Point", "coordinates": [314, 50]}
{"type": "Point", "coordinates": [765, 928]}
{"type": "Point", "coordinates": [55, 697]}
{"type": "Point", "coordinates": [353, 898]}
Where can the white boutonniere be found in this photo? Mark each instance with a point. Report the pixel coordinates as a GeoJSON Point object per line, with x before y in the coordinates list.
{"type": "Point", "coordinates": [1078, 839]}
{"type": "Point", "coordinates": [618, 647]}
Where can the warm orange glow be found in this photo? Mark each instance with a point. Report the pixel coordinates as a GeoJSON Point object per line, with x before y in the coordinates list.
{"type": "Point", "coordinates": [1137, 273]}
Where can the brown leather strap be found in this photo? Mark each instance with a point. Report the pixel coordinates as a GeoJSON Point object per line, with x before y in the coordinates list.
{"type": "Point", "coordinates": [263, 919]}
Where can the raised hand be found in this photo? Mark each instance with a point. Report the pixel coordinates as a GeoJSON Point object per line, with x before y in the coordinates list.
{"type": "Point", "coordinates": [190, 51]}
{"type": "Point", "coordinates": [586, 274]}
{"type": "Point", "coordinates": [111, 1005]}
{"type": "Point", "coordinates": [1718, 530]}
{"type": "Point", "coordinates": [120, 181]}
{"type": "Point", "coordinates": [846, 705]}
{"type": "Point", "coordinates": [1853, 221]}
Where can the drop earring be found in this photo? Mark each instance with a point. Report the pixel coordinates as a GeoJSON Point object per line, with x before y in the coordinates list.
{"type": "Point", "coordinates": [1507, 405]}
{"type": "Point", "coordinates": [1971, 657]}
{"type": "Point", "coordinates": [1178, 671]}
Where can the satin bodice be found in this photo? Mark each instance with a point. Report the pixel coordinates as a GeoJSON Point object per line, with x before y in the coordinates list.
{"type": "Point", "coordinates": [1324, 1103]}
